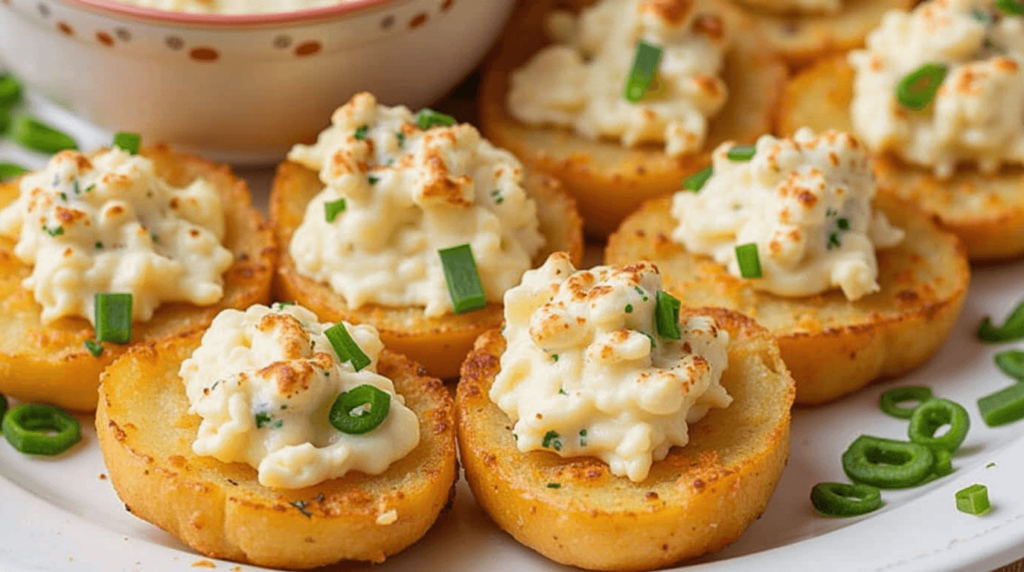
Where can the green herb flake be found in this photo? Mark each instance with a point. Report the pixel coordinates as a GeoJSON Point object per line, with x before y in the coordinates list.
{"type": "Point", "coordinates": [94, 348]}
{"type": "Point", "coordinates": [264, 419]}
{"type": "Point", "coordinates": [56, 231]}
{"type": "Point", "coordinates": [554, 485]}
{"type": "Point", "coordinates": [833, 240]}
{"type": "Point", "coordinates": [301, 505]}
{"type": "Point", "coordinates": [373, 180]}
{"type": "Point", "coordinates": [843, 223]}
{"type": "Point", "coordinates": [64, 197]}
{"type": "Point", "coordinates": [361, 132]}
{"type": "Point", "coordinates": [583, 437]}
{"type": "Point", "coordinates": [551, 441]}
{"type": "Point", "coordinates": [401, 138]}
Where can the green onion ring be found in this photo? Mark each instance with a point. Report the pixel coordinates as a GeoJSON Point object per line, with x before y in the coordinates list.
{"type": "Point", "coordinates": [943, 462]}
{"type": "Point", "coordinates": [1011, 363]}
{"type": "Point", "coordinates": [25, 428]}
{"type": "Point", "coordinates": [935, 413]}
{"type": "Point", "coordinates": [841, 499]}
{"type": "Point", "coordinates": [887, 464]}
{"type": "Point", "coordinates": [890, 401]}
{"type": "Point", "coordinates": [377, 403]}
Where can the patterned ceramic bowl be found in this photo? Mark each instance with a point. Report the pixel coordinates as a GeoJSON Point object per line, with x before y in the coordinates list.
{"type": "Point", "coordinates": [241, 88]}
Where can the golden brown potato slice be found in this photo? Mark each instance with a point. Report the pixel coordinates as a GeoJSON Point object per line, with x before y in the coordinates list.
{"type": "Point", "coordinates": [832, 346]}
{"type": "Point", "coordinates": [803, 38]}
{"type": "Point", "coordinates": [50, 363]}
{"type": "Point", "coordinates": [609, 180]}
{"type": "Point", "coordinates": [439, 344]}
{"type": "Point", "coordinates": [986, 211]}
{"type": "Point", "coordinates": [220, 510]}
{"type": "Point", "coordinates": [697, 500]}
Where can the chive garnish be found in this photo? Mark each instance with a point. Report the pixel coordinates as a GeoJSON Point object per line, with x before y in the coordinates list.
{"type": "Point", "coordinates": [666, 315]}
{"type": "Point", "coordinates": [741, 153]}
{"type": "Point", "coordinates": [263, 419]}
{"type": "Point", "coordinates": [10, 91]}
{"type": "Point", "coordinates": [750, 262]}
{"type": "Point", "coordinates": [641, 74]}
{"type": "Point", "coordinates": [554, 485]}
{"type": "Point", "coordinates": [94, 348]}
{"type": "Point", "coordinates": [372, 179]}
{"type": "Point", "coordinates": [918, 88]}
{"type": "Point", "coordinates": [98, 245]}
{"type": "Point", "coordinates": [113, 316]}
{"type": "Point", "coordinates": [360, 410]}
{"type": "Point", "coordinates": [1011, 330]}
{"type": "Point", "coordinates": [345, 347]}
{"type": "Point", "coordinates": [1011, 363]}
{"type": "Point", "coordinates": [583, 437]}
{"type": "Point", "coordinates": [1012, 7]}
{"type": "Point", "coordinates": [973, 500]}
{"type": "Point", "coordinates": [129, 142]}
{"type": "Point", "coordinates": [462, 278]}
{"type": "Point", "coordinates": [841, 499]}
{"type": "Point", "coordinates": [695, 182]}
{"type": "Point", "coordinates": [361, 132]}
{"type": "Point", "coordinates": [551, 441]}
{"type": "Point", "coordinates": [843, 223]}
{"type": "Point", "coordinates": [629, 308]}
{"type": "Point", "coordinates": [6, 119]}
{"type": "Point", "coordinates": [1004, 406]}
{"type": "Point", "coordinates": [38, 136]}
{"type": "Point", "coordinates": [891, 401]}
{"type": "Point", "coordinates": [401, 138]}
{"type": "Point", "coordinates": [10, 171]}
{"type": "Point", "coordinates": [334, 208]}
{"type": "Point", "coordinates": [428, 118]}
{"type": "Point", "coordinates": [55, 231]}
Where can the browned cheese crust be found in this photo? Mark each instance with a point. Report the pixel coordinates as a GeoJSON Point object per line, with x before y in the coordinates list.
{"type": "Point", "coordinates": [802, 38]}
{"type": "Point", "coordinates": [50, 363]}
{"type": "Point", "coordinates": [220, 510]}
{"type": "Point", "coordinates": [441, 343]}
{"type": "Point", "coordinates": [986, 211]}
{"type": "Point", "coordinates": [696, 501]}
{"type": "Point", "coordinates": [832, 346]}
{"type": "Point", "coordinates": [607, 179]}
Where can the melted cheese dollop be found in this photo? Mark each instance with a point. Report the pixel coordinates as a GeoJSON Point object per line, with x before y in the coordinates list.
{"type": "Point", "coordinates": [584, 372]}
{"type": "Point", "coordinates": [264, 382]}
{"type": "Point", "coordinates": [796, 6]}
{"type": "Point", "coordinates": [805, 202]}
{"type": "Point", "coordinates": [977, 115]}
{"type": "Point", "coordinates": [234, 6]}
{"type": "Point", "coordinates": [579, 81]}
{"type": "Point", "coordinates": [408, 193]}
{"type": "Point", "coordinates": [109, 223]}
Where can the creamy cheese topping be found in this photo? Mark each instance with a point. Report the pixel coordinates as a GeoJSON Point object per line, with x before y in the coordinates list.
{"type": "Point", "coordinates": [977, 115]}
{"type": "Point", "coordinates": [408, 193]}
{"type": "Point", "coordinates": [264, 382]}
{"type": "Point", "coordinates": [796, 6]}
{"type": "Point", "coordinates": [585, 372]}
{"type": "Point", "coordinates": [109, 223]}
{"type": "Point", "coordinates": [579, 81]}
{"type": "Point", "coordinates": [805, 202]}
{"type": "Point", "coordinates": [234, 6]}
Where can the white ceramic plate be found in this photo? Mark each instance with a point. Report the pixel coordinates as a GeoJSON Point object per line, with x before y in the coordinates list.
{"type": "Point", "coordinates": [62, 515]}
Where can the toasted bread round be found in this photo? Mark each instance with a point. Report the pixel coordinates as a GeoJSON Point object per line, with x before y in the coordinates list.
{"type": "Point", "coordinates": [803, 38]}
{"type": "Point", "coordinates": [219, 509]}
{"type": "Point", "coordinates": [986, 211]}
{"type": "Point", "coordinates": [50, 363]}
{"type": "Point", "coordinates": [439, 344]}
{"type": "Point", "coordinates": [607, 179]}
{"type": "Point", "coordinates": [831, 345]}
{"type": "Point", "coordinates": [697, 500]}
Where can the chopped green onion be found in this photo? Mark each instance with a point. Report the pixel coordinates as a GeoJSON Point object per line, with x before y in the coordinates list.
{"type": "Point", "coordinates": [887, 464]}
{"type": "Point", "coordinates": [373, 180]}
{"type": "Point", "coordinates": [1012, 363]}
{"type": "Point", "coordinates": [1012, 7]}
{"type": "Point", "coordinates": [890, 401]}
{"type": "Point", "coordinates": [38, 136]}
{"type": "Point", "coordinates": [943, 462]}
{"type": "Point", "coordinates": [936, 413]}
{"type": "Point", "coordinates": [427, 118]}
{"type": "Point", "coordinates": [649, 337]}
{"type": "Point", "coordinates": [10, 91]}
{"type": "Point", "coordinates": [129, 142]}
{"type": "Point", "coordinates": [554, 485]}
{"type": "Point", "coordinates": [463, 279]}
{"type": "Point", "coordinates": [641, 74]}
{"type": "Point", "coordinates": [55, 231]}
{"type": "Point", "coordinates": [843, 223]}
{"type": "Point", "coordinates": [629, 308]}
{"type": "Point", "coordinates": [695, 182]}
{"type": "Point", "coordinates": [10, 171]}
{"type": "Point", "coordinates": [360, 410]}
{"type": "Point", "coordinates": [973, 500]}
{"type": "Point", "coordinates": [3, 407]}
{"type": "Point", "coordinates": [1004, 406]}
{"type": "Point", "coordinates": [741, 153]}
{"type": "Point", "coordinates": [346, 348]}
{"type": "Point", "coordinates": [551, 441]}
{"type": "Point", "coordinates": [6, 119]}
{"type": "Point", "coordinates": [1011, 330]}
{"type": "Point", "coordinates": [263, 419]}
{"type": "Point", "coordinates": [583, 437]}
{"type": "Point", "coordinates": [666, 315]}
{"type": "Point", "coordinates": [749, 261]}
{"type": "Point", "coordinates": [918, 88]}
{"type": "Point", "coordinates": [334, 208]}
{"type": "Point", "coordinates": [94, 348]}
{"type": "Point", "coordinates": [113, 317]}
{"type": "Point", "coordinates": [841, 499]}
{"type": "Point", "coordinates": [401, 138]}
{"type": "Point", "coordinates": [361, 132]}
{"type": "Point", "coordinates": [36, 429]}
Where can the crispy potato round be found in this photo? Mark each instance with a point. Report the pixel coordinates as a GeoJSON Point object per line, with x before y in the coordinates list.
{"type": "Point", "coordinates": [439, 344]}
{"type": "Point", "coordinates": [803, 38]}
{"type": "Point", "coordinates": [986, 211]}
{"type": "Point", "coordinates": [697, 500]}
{"type": "Point", "coordinates": [50, 363]}
{"type": "Point", "coordinates": [831, 345]}
{"type": "Point", "coordinates": [607, 179]}
{"type": "Point", "coordinates": [219, 509]}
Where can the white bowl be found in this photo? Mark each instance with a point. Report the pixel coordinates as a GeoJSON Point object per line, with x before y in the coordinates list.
{"type": "Point", "coordinates": [241, 88]}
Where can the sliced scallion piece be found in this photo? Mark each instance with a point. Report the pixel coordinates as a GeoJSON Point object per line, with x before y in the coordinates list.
{"type": "Point", "coordinates": [346, 348]}
{"type": "Point", "coordinates": [1012, 7]}
{"type": "Point", "coordinates": [641, 74]}
{"type": "Point", "coordinates": [10, 171]}
{"type": "Point", "coordinates": [887, 464]}
{"type": "Point", "coordinates": [741, 153]}
{"type": "Point", "coordinates": [129, 142]}
{"type": "Point", "coordinates": [113, 317]}
{"type": "Point", "coordinates": [361, 132]}
{"type": "Point", "coordinates": [973, 500]}
{"type": "Point", "coordinates": [749, 261]}
{"type": "Point", "coordinates": [94, 348]}
{"type": "Point", "coordinates": [427, 118]}
{"type": "Point", "coordinates": [1011, 330]}
{"type": "Point", "coordinates": [36, 429]}
{"type": "Point", "coordinates": [6, 118]}
{"type": "Point", "coordinates": [666, 315]}
{"type": "Point", "coordinates": [890, 401]}
{"type": "Point", "coordinates": [360, 410]}
{"type": "Point", "coordinates": [918, 88]}
{"type": "Point", "coordinates": [1011, 363]}
{"type": "Point", "coordinates": [10, 91]}
{"type": "Point", "coordinates": [334, 208]}
{"type": "Point", "coordinates": [1004, 406]}
{"type": "Point", "coordinates": [38, 136]}
{"type": "Point", "coordinates": [462, 278]}
{"type": "Point", "coordinates": [841, 499]}
{"type": "Point", "coordinates": [695, 182]}
{"type": "Point", "coordinates": [933, 414]}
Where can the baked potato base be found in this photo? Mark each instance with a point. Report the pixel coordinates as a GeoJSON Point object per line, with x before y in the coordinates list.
{"type": "Point", "coordinates": [439, 344]}
{"type": "Point", "coordinates": [696, 501]}
{"type": "Point", "coordinates": [50, 363]}
{"type": "Point", "coordinates": [831, 345]}
{"type": "Point", "coordinates": [986, 211]}
{"type": "Point", "coordinates": [609, 180]}
{"type": "Point", "coordinates": [219, 509]}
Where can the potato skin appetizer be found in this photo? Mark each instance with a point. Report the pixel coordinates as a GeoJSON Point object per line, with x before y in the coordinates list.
{"type": "Point", "coordinates": [439, 344]}
{"type": "Point", "coordinates": [219, 509]}
{"type": "Point", "coordinates": [697, 500]}
{"type": "Point", "coordinates": [832, 346]}
{"type": "Point", "coordinates": [987, 212]}
{"type": "Point", "coordinates": [50, 363]}
{"type": "Point", "coordinates": [607, 179]}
